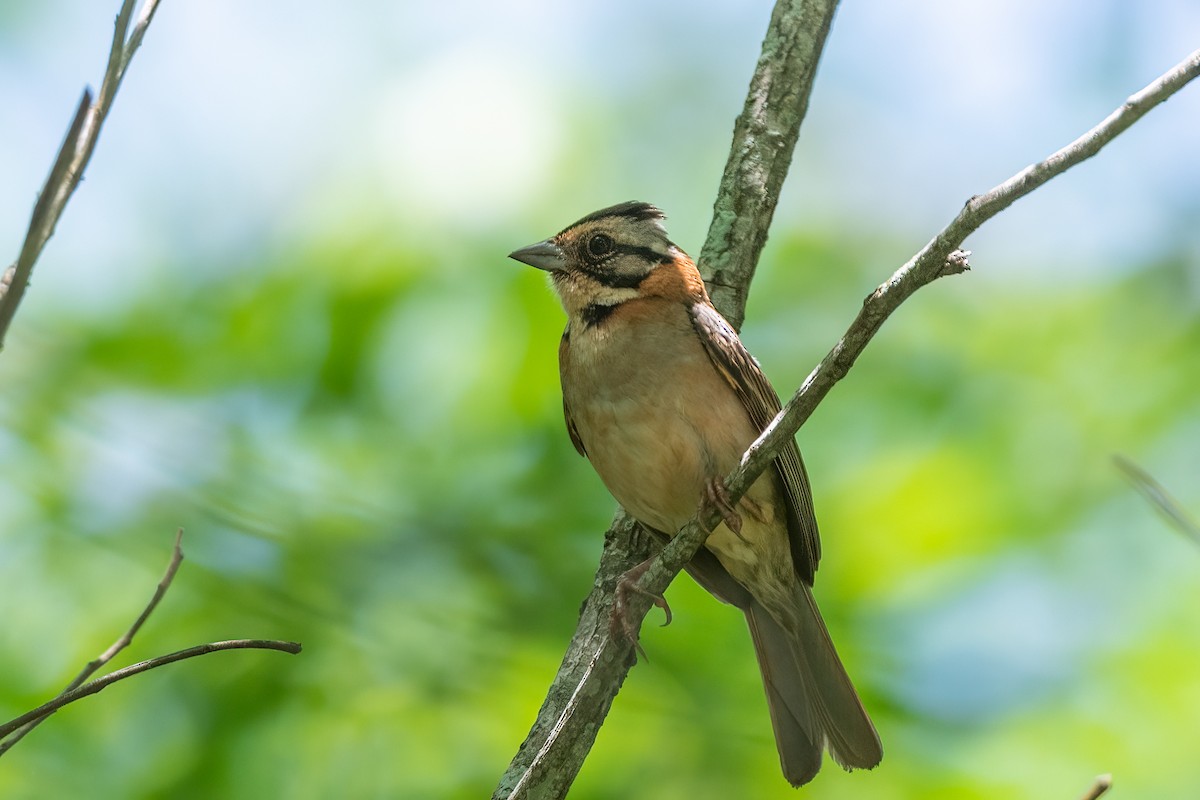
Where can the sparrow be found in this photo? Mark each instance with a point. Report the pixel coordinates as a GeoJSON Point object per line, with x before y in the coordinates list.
{"type": "Point", "coordinates": [663, 398]}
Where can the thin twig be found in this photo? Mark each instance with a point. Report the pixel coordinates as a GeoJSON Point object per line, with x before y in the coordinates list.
{"type": "Point", "coordinates": [1099, 786]}
{"type": "Point", "coordinates": [142, 666]}
{"type": "Point", "coordinates": [123, 642]}
{"type": "Point", "coordinates": [1157, 496]}
{"type": "Point", "coordinates": [73, 158]}
{"type": "Point", "coordinates": [613, 659]}
{"type": "Point", "coordinates": [139, 31]}
{"type": "Point", "coordinates": [14, 730]}
{"type": "Point", "coordinates": [120, 644]}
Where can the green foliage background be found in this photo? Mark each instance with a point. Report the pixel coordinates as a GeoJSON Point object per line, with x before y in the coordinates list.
{"type": "Point", "coordinates": [354, 412]}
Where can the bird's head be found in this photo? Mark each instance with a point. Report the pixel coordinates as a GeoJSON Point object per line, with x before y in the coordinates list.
{"type": "Point", "coordinates": [605, 258]}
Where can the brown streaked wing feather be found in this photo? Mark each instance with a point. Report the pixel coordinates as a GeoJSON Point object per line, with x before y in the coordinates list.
{"type": "Point", "coordinates": [743, 373]}
{"type": "Point", "coordinates": [564, 353]}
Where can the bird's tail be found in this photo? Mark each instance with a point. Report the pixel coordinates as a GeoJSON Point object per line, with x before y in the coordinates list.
{"type": "Point", "coordinates": [813, 705]}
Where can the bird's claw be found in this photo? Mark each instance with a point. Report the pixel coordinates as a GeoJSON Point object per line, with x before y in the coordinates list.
{"type": "Point", "coordinates": [620, 622]}
{"type": "Point", "coordinates": [716, 495]}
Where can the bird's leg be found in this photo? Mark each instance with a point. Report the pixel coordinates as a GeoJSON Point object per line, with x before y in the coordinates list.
{"type": "Point", "coordinates": [716, 495]}
{"type": "Point", "coordinates": [620, 624]}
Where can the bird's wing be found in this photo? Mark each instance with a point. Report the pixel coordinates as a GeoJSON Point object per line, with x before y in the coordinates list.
{"type": "Point", "coordinates": [564, 353]}
{"type": "Point", "coordinates": [733, 360]}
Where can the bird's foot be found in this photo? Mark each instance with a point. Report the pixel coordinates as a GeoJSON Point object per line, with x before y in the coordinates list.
{"type": "Point", "coordinates": [716, 495]}
{"type": "Point", "coordinates": [620, 622]}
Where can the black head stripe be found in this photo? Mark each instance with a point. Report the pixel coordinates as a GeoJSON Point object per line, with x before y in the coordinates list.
{"type": "Point", "coordinates": [633, 209]}
{"type": "Point", "coordinates": [613, 280]}
{"type": "Point", "coordinates": [624, 280]}
{"type": "Point", "coordinates": [651, 255]}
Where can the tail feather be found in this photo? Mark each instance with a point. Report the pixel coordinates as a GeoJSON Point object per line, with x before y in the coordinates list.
{"type": "Point", "coordinates": [812, 702]}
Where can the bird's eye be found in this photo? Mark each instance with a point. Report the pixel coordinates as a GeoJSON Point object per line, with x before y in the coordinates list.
{"type": "Point", "coordinates": [599, 245]}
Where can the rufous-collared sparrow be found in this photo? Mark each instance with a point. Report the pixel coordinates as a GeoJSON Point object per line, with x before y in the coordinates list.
{"type": "Point", "coordinates": [663, 399]}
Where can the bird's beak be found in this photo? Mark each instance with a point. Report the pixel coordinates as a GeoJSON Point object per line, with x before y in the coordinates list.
{"type": "Point", "coordinates": [543, 255]}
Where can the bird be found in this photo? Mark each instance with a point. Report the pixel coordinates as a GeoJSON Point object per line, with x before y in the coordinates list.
{"type": "Point", "coordinates": [662, 397]}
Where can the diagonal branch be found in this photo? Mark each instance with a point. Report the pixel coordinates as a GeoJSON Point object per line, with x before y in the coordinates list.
{"type": "Point", "coordinates": [1157, 496]}
{"type": "Point", "coordinates": [939, 257]}
{"type": "Point", "coordinates": [1099, 786]}
{"type": "Point", "coordinates": [73, 158]}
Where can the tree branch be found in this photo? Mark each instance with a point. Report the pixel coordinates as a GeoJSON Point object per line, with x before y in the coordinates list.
{"type": "Point", "coordinates": [1099, 786]}
{"type": "Point", "coordinates": [764, 138]}
{"type": "Point", "coordinates": [120, 644]}
{"type": "Point", "coordinates": [72, 160]}
{"type": "Point", "coordinates": [142, 666]}
{"type": "Point", "coordinates": [1157, 496]}
{"type": "Point", "coordinates": [595, 665]}
{"type": "Point", "coordinates": [76, 689]}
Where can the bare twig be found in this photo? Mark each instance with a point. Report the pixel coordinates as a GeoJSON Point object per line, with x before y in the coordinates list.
{"type": "Point", "coordinates": [142, 666]}
{"type": "Point", "coordinates": [127, 637]}
{"type": "Point", "coordinates": [594, 665]}
{"type": "Point", "coordinates": [120, 644]}
{"type": "Point", "coordinates": [73, 158]}
{"type": "Point", "coordinates": [139, 32]}
{"type": "Point", "coordinates": [14, 730]}
{"type": "Point", "coordinates": [1158, 497]}
{"type": "Point", "coordinates": [1099, 786]}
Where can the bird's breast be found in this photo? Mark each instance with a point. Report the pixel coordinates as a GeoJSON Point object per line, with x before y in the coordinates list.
{"type": "Point", "coordinates": [655, 417]}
